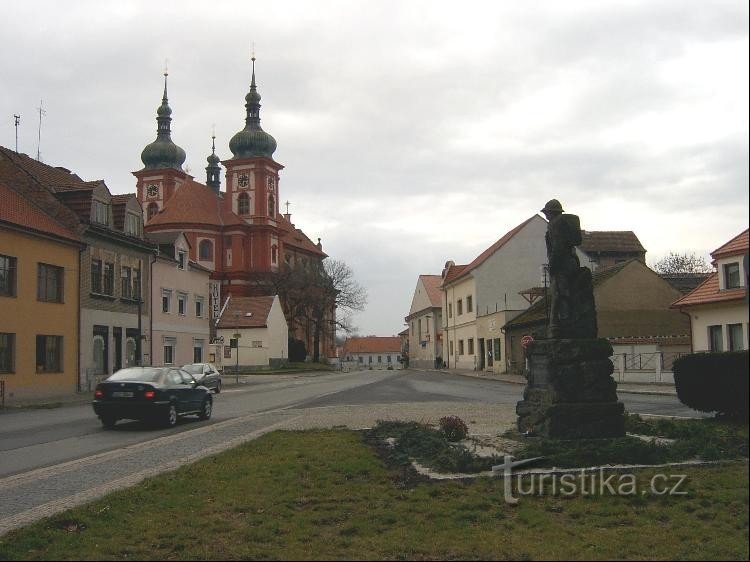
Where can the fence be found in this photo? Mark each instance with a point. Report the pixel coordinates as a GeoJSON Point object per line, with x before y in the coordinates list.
{"type": "Point", "coordinates": [653, 367]}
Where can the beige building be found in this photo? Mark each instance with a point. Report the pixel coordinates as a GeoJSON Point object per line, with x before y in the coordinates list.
{"type": "Point", "coordinates": [373, 352]}
{"type": "Point", "coordinates": [480, 297]}
{"type": "Point", "coordinates": [39, 291]}
{"type": "Point", "coordinates": [180, 328]}
{"type": "Point", "coordinates": [632, 311]}
{"type": "Point", "coordinates": [425, 322]}
{"type": "Point", "coordinates": [718, 307]}
{"type": "Point", "coordinates": [259, 328]}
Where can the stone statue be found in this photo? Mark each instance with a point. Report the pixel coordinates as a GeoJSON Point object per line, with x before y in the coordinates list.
{"type": "Point", "coordinates": [572, 313]}
{"type": "Point", "coordinates": [570, 392]}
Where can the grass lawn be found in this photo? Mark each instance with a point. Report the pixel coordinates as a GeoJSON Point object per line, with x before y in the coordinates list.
{"type": "Point", "coordinates": [327, 495]}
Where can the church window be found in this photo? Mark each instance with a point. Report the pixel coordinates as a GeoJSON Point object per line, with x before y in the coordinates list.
{"type": "Point", "coordinates": [271, 206]}
{"type": "Point", "coordinates": [151, 211]}
{"type": "Point", "coordinates": [243, 204]}
{"type": "Point", "coordinates": [206, 250]}
{"type": "Point", "coordinates": [274, 253]}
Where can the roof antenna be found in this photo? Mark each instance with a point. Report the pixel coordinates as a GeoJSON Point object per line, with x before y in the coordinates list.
{"type": "Point", "coordinates": [39, 137]}
{"type": "Point", "coordinates": [18, 120]}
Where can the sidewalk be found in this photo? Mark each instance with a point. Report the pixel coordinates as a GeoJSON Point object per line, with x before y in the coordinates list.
{"type": "Point", "coordinates": [631, 388]}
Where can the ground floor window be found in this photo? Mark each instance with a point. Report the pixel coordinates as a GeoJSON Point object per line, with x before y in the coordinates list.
{"type": "Point", "coordinates": [736, 342]}
{"type": "Point", "coordinates": [49, 351]}
{"type": "Point", "coordinates": [169, 345]}
{"type": "Point", "coordinates": [715, 338]}
{"type": "Point", "coordinates": [471, 346]}
{"type": "Point", "coordinates": [198, 351]}
{"type": "Point", "coordinates": [460, 347]}
{"type": "Point", "coordinates": [7, 353]}
{"type": "Point", "coordinates": [101, 350]}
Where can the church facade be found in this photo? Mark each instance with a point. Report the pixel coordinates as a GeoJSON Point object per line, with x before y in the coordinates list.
{"type": "Point", "coordinates": [237, 233]}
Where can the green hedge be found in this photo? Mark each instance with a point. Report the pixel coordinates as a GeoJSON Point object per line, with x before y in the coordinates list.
{"type": "Point", "coordinates": [714, 382]}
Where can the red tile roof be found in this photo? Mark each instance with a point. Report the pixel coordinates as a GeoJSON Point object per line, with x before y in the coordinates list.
{"type": "Point", "coordinates": [610, 241]}
{"type": "Point", "coordinates": [457, 271]}
{"type": "Point", "coordinates": [194, 203]}
{"type": "Point", "coordinates": [373, 344]}
{"type": "Point", "coordinates": [708, 292]}
{"type": "Point", "coordinates": [736, 246]}
{"type": "Point", "coordinates": [294, 237]}
{"type": "Point", "coordinates": [432, 286]}
{"type": "Point", "coordinates": [19, 211]}
{"type": "Point", "coordinates": [246, 312]}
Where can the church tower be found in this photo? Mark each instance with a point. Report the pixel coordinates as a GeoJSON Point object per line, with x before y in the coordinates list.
{"type": "Point", "coordinates": [252, 180]}
{"type": "Point", "coordinates": [162, 172]}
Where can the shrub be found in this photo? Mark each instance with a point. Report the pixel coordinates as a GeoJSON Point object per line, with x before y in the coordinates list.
{"type": "Point", "coordinates": [453, 428]}
{"type": "Point", "coordinates": [714, 382]}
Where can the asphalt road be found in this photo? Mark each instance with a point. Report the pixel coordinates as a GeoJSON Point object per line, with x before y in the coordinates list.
{"type": "Point", "coordinates": [53, 459]}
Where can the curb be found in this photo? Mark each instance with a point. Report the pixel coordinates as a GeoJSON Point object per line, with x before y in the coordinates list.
{"type": "Point", "coordinates": [621, 387]}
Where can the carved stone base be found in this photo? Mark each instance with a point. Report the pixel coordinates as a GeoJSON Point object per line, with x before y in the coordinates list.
{"type": "Point", "coordinates": [571, 393]}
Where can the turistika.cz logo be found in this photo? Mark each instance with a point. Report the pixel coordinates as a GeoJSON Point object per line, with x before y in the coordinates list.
{"type": "Point", "coordinates": [586, 482]}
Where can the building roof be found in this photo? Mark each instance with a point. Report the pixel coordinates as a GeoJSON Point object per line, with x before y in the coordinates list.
{"type": "Point", "coordinates": [610, 241]}
{"type": "Point", "coordinates": [292, 236]}
{"type": "Point", "coordinates": [432, 286]}
{"type": "Point", "coordinates": [15, 209]}
{"type": "Point", "coordinates": [246, 312]}
{"type": "Point", "coordinates": [373, 344]}
{"type": "Point", "coordinates": [14, 173]}
{"type": "Point", "coordinates": [455, 272]}
{"type": "Point", "coordinates": [708, 292]}
{"type": "Point", "coordinates": [684, 282]}
{"type": "Point", "coordinates": [736, 246]}
{"type": "Point", "coordinates": [195, 203]}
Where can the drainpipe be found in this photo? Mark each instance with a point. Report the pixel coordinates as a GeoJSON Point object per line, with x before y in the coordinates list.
{"type": "Point", "coordinates": [79, 386]}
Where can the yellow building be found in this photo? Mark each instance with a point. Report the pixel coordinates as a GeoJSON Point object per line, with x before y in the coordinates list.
{"type": "Point", "coordinates": [39, 293]}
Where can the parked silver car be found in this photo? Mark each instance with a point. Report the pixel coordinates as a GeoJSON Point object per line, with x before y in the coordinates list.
{"type": "Point", "coordinates": [206, 374]}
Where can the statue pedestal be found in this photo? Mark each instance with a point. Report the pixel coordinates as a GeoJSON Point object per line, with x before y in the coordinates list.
{"type": "Point", "coordinates": [570, 392]}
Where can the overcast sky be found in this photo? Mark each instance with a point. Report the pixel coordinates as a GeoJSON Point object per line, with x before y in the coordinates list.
{"type": "Point", "coordinates": [411, 132]}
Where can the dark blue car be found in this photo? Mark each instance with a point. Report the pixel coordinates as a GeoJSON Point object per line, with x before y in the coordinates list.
{"type": "Point", "coordinates": [153, 394]}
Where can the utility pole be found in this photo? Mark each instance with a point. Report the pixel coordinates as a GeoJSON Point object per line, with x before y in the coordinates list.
{"type": "Point", "coordinates": [39, 138]}
{"type": "Point", "coordinates": [17, 119]}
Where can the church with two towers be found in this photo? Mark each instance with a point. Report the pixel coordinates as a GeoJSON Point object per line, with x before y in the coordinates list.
{"type": "Point", "coordinates": [237, 233]}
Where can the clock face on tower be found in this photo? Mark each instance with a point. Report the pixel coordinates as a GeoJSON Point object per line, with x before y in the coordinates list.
{"type": "Point", "coordinates": [152, 190]}
{"type": "Point", "coordinates": [243, 180]}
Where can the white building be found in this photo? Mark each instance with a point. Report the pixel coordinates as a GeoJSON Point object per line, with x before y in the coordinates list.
{"type": "Point", "coordinates": [425, 321]}
{"type": "Point", "coordinates": [373, 352]}
{"type": "Point", "coordinates": [718, 307]}
{"type": "Point", "coordinates": [481, 297]}
{"type": "Point", "coordinates": [260, 329]}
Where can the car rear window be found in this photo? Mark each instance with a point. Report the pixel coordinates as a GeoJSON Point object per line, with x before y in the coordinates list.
{"type": "Point", "coordinates": [142, 375]}
{"type": "Point", "coordinates": [194, 369]}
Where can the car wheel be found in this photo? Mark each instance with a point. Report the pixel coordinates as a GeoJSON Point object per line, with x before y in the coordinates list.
{"type": "Point", "coordinates": [170, 420]}
{"type": "Point", "coordinates": [206, 409]}
{"type": "Point", "coordinates": [108, 421]}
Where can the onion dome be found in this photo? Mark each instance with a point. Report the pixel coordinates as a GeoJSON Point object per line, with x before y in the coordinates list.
{"type": "Point", "coordinates": [252, 140]}
{"type": "Point", "coordinates": [163, 153]}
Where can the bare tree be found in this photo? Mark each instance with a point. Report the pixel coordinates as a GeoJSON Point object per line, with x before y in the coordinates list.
{"type": "Point", "coordinates": [682, 263]}
{"type": "Point", "coordinates": [321, 296]}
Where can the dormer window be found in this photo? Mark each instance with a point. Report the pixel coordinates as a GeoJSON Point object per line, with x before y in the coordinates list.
{"type": "Point", "coordinates": [100, 212]}
{"type": "Point", "coordinates": [181, 259]}
{"type": "Point", "coordinates": [132, 224]}
{"type": "Point", "coordinates": [732, 275]}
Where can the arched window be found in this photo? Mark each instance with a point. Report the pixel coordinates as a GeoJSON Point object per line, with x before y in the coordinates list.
{"type": "Point", "coordinates": [98, 355]}
{"type": "Point", "coordinates": [205, 250]}
{"type": "Point", "coordinates": [271, 206]}
{"type": "Point", "coordinates": [274, 254]}
{"type": "Point", "coordinates": [243, 204]}
{"type": "Point", "coordinates": [151, 210]}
